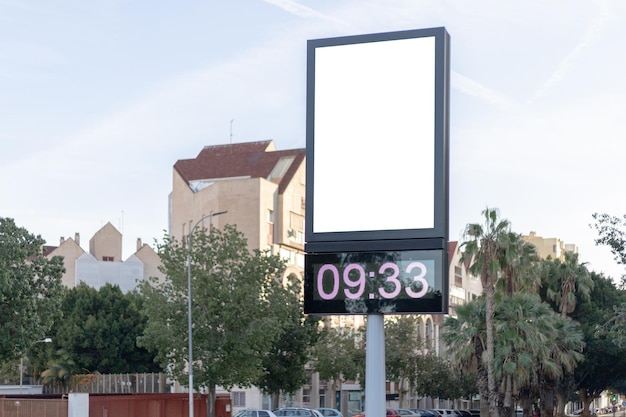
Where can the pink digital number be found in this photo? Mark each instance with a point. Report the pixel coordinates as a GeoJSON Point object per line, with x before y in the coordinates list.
{"type": "Point", "coordinates": [320, 282]}
{"type": "Point", "coordinates": [393, 278]}
{"type": "Point", "coordinates": [360, 282]}
{"type": "Point", "coordinates": [417, 278]}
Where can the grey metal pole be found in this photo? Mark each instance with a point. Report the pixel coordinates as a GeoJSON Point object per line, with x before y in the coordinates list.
{"type": "Point", "coordinates": [46, 340]}
{"type": "Point", "coordinates": [375, 366]}
{"type": "Point", "coordinates": [21, 372]}
{"type": "Point", "coordinates": [189, 317]}
{"type": "Point", "coordinates": [189, 321]}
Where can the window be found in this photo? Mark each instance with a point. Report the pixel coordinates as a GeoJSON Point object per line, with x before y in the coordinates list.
{"type": "Point", "coordinates": [239, 398]}
{"type": "Point", "coordinates": [458, 276]}
{"type": "Point", "coordinates": [270, 221]}
{"type": "Point", "coordinates": [108, 258]}
{"type": "Point", "coordinates": [428, 334]}
{"type": "Point", "coordinates": [281, 168]}
{"type": "Point", "coordinates": [296, 227]}
{"type": "Point", "coordinates": [306, 396]}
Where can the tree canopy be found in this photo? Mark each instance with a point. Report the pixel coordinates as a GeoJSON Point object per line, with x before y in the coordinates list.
{"type": "Point", "coordinates": [605, 356]}
{"type": "Point", "coordinates": [235, 323]}
{"type": "Point", "coordinates": [100, 328]}
{"type": "Point", "coordinates": [612, 233]}
{"type": "Point", "coordinates": [30, 290]}
{"type": "Point", "coordinates": [519, 336]}
{"type": "Point", "coordinates": [284, 365]}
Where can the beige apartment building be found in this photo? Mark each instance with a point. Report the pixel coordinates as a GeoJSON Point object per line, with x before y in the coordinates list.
{"type": "Point", "coordinates": [552, 247]}
{"type": "Point", "coordinates": [261, 189]}
{"type": "Point", "coordinates": [103, 263]}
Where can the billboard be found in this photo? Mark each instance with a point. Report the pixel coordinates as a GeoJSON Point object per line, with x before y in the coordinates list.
{"type": "Point", "coordinates": [377, 127]}
{"type": "Point", "coordinates": [377, 171]}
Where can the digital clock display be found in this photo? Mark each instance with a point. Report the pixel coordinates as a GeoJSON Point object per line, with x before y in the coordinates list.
{"type": "Point", "coordinates": [402, 281]}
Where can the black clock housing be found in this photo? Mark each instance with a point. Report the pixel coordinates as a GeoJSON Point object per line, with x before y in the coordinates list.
{"type": "Point", "coordinates": [382, 282]}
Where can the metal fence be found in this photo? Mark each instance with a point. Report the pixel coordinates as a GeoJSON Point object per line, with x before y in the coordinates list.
{"type": "Point", "coordinates": [112, 384]}
{"type": "Point", "coordinates": [26, 407]}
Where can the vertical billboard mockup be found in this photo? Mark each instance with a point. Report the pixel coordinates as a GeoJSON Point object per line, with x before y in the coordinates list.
{"type": "Point", "coordinates": [377, 171]}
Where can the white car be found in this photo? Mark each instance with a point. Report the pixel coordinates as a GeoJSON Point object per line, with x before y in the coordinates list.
{"type": "Point", "coordinates": [297, 412]}
{"type": "Point", "coordinates": [255, 413]}
{"type": "Point", "coordinates": [329, 412]}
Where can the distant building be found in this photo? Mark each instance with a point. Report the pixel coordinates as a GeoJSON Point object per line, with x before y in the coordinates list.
{"type": "Point", "coordinates": [261, 189]}
{"type": "Point", "coordinates": [103, 263]}
{"type": "Point", "coordinates": [552, 247]}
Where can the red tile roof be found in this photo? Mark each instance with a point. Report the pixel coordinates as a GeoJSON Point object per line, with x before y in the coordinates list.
{"type": "Point", "coordinates": [452, 247]}
{"type": "Point", "coordinates": [48, 249]}
{"type": "Point", "coordinates": [253, 159]}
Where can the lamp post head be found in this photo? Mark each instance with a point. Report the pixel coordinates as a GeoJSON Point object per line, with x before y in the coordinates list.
{"type": "Point", "coordinates": [47, 340]}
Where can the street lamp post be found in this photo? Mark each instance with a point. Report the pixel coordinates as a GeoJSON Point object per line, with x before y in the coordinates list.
{"type": "Point", "coordinates": [189, 324]}
{"type": "Point", "coordinates": [46, 340]}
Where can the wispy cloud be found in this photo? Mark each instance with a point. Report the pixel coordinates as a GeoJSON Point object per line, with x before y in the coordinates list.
{"type": "Point", "coordinates": [298, 9]}
{"type": "Point", "coordinates": [474, 89]}
{"type": "Point", "coordinates": [594, 31]}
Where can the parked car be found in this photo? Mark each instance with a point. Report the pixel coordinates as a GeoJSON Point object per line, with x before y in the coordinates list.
{"type": "Point", "coordinates": [464, 413]}
{"type": "Point", "coordinates": [424, 413]}
{"type": "Point", "coordinates": [446, 412]}
{"type": "Point", "coordinates": [475, 412]}
{"type": "Point", "coordinates": [389, 413]}
{"type": "Point", "coordinates": [296, 412]}
{"type": "Point", "coordinates": [329, 412]}
{"type": "Point", "coordinates": [255, 413]}
{"type": "Point", "coordinates": [406, 412]}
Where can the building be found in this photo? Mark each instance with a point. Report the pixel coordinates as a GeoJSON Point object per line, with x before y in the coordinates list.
{"type": "Point", "coordinates": [103, 263]}
{"type": "Point", "coordinates": [552, 247]}
{"type": "Point", "coordinates": [262, 191]}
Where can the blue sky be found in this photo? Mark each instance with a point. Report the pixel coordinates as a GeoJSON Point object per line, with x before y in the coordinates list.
{"type": "Point", "coordinates": [99, 99]}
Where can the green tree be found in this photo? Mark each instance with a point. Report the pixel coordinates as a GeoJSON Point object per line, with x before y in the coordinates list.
{"type": "Point", "coordinates": [533, 341]}
{"type": "Point", "coordinates": [611, 233]}
{"type": "Point", "coordinates": [529, 336]}
{"type": "Point", "coordinates": [284, 365]}
{"type": "Point", "coordinates": [234, 324]}
{"type": "Point", "coordinates": [482, 248]}
{"type": "Point", "coordinates": [337, 356]}
{"type": "Point", "coordinates": [464, 336]}
{"type": "Point", "coordinates": [100, 328]}
{"type": "Point", "coordinates": [433, 376]}
{"type": "Point", "coordinates": [401, 347]}
{"type": "Point", "coordinates": [605, 358]}
{"type": "Point", "coordinates": [563, 284]}
{"type": "Point", "coordinates": [60, 370]}
{"type": "Point", "coordinates": [519, 262]}
{"type": "Point", "coordinates": [30, 290]}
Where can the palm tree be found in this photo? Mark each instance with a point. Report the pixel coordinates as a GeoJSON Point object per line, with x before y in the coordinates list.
{"type": "Point", "coordinates": [465, 339]}
{"type": "Point", "coordinates": [483, 245]}
{"type": "Point", "coordinates": [60, 370]}
{"type": "Point", "coordinates": [520, 262]}
{"type": "Point", "coordinates": [564, 282]}
{"type": "Point", "coordinates": [529, 336]}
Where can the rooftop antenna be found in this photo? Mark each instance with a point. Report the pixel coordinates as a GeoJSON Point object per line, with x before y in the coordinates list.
{"type": "Point", "coordinates": [231, 130]}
